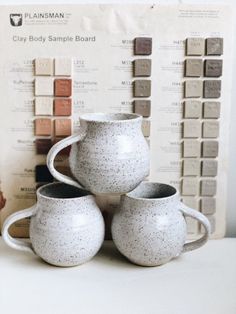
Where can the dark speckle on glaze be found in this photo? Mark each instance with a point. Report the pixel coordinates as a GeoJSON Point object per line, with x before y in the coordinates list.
{"type": "Point", "coordinates": [112, 156]}
{"type": "Point", "coordinates": [150, 229]}
{"type": "Point", "coordinates": [68, 228]}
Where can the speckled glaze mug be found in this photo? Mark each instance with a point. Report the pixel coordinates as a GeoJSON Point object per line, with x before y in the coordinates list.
{"type": "Point", "coordinates": [150, 229]}
{"type": "Point", "coordinates": [109, 154]}
{"type": "Point", "coordinates": [66, 227]}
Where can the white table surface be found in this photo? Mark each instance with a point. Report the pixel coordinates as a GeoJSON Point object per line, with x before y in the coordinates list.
{"type": "Point", "coordinates": [202, 281]}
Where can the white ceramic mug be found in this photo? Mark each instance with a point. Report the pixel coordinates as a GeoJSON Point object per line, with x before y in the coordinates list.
{"type": "Point", "coordinates": [109, 153]}
{"type": "Point", "coordinates": [149, 227]}
{"type": "Point", "coordinates": [66, 227]}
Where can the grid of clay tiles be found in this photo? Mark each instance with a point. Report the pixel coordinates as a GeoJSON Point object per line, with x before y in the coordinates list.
{"type": "Point", "coordinates": [142, 68]}
{"type": "Point", "coordinates": [201, 113]}
{"type": "Point", "coordinates": [53, 107]}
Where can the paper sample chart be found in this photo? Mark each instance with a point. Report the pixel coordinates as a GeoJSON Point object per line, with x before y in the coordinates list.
{"type": "Point", "coordinates": [171, 64]}
{"type": "Point", "coordinates": [201, 124]}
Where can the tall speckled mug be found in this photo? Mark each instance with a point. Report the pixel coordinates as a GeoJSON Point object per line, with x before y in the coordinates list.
{"type": "Point", "coordinates": [66, 227]}
{"type": "Point", "coordinates": [150, 229]}
{"type": "Point", "coordinates": [109, 154]}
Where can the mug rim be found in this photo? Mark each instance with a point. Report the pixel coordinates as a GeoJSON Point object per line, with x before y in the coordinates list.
{"type": "Point", "coordinates": [39, 193]}
{"type": "Point", "coordinates": [88, 117]}
{"type": "Point", "coordinates": [174, 195]}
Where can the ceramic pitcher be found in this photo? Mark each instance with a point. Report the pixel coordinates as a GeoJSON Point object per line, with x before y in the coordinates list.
{"type": "Point", "coordinates": [150, 229]}
{"type": "Point", "coordinates": [66, 227]}
{"type": "Point", "coordinates": [109, 154]}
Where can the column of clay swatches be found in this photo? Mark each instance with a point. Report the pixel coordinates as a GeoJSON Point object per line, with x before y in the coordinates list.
{"type": "Point", "coordinates": [201, 113]}
{"type": "Point", "coordinates": [142, 67]}
{"type": "Point", "coordinates": [53, 107]}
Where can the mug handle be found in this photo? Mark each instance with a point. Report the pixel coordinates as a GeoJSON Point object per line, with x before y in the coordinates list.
{"type": "Point", "coordinates": [187, 211]}
{"type": "Point", "coordinates": [56, 148]}
{"type": "Point", "coordinates": [15, 243]}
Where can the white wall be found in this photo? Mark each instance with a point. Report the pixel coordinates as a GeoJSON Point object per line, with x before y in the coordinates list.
{"type": "Point", "coordinates": [231, 210]}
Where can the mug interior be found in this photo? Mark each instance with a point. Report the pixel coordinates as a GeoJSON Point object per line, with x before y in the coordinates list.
{"type": "Point", "coordinates": [108, 117]}
{"type": "Point", "coordinates": [62, 191]}
{"type": "Point", "coordinates": [150, 190]}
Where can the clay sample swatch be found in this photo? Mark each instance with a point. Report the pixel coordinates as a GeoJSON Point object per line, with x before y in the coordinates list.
{"type": "Point", "coordinates": [142, 88]}
{"type": "Point", "coordinates": [63, 67]}
{"type": "Point", "coordinates": [146, 127]}
{"type": "Point", "coordinates": [214, 46]}
{"type": "Point", "coordinates": [190, 186]}
{"type": "Point", "coordinates": [43, 146]}
{"type": "Point", "coordinates": [43, 66]}
{"type": "Point", "coordinates": [209, 168]}
{"type": "Point", "coordinates": [42, 174]}
{"type": "Point", "coordinates": [191, 167]}
{"type": "Point", "coordinates": [193, 67]}
{"type": "Point", "coordinates": [195, 46]}
{"type": "Point", "coordinates": [208, 205]}
{"type": "Point", "coordinates": [211, 110]}
{"type": "Point", "coordinates": [143, 46]}
{"type": "Point", "coordinates": [64, 151]}
{"type": "Point", "coordinates": [142, 67]}
{"type": "Point", "coordinates": [210, 149]}
{"type": "Point", "coordinates": [64, 170]}
{"type": "Point", "coordinates": [43, 127]}
{"type": "Point", "coordinates": [62, 87]}
{"type": "Point", "coordinates": [142, 107]}
{"type": "Point", "coordinates": [211, 129]}
{"type": "Point", "coordinates": [212, 89]}
{"type": "Point", "coordinates": [213, 68]}
{"type": "Point", "coordinates": [192, 109]}
{"type": "Point", "coordinates": [62, 106]}
{"type": "Point", "coordinates": [208, 187]}
{"type": "Point", "coordinates": [191, 201]}
{"type": "Point", "coordinates": [44, 86]}
{"type": "Point", "coordinates": [62, 127]}
{"type": "Point", "coordinates": [43, 106]}
{"type": "Point", "coordinates": [191, 129]}
{"type": "Point", "coordinates": [193, 88]}
{"type": "Point", "coordinates": [191, 148]}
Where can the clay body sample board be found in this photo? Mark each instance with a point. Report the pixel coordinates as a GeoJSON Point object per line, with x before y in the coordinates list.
{"type": "Point", "coordinates": [100, 42]}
